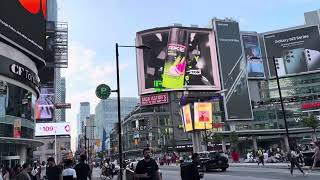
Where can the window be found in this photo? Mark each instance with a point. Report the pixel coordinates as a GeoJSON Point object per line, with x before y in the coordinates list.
{"type": "Point", "coordinates": [16, 101]}
{"type": "Point", "coordinates": [50, 145]}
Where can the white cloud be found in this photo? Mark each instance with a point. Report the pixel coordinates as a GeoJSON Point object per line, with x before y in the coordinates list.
{"type": "Point", "coordinates": [85, 71]}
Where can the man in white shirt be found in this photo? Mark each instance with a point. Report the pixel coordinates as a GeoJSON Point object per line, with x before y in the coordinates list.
{"type": "Point", "coordinates": [69, 173]}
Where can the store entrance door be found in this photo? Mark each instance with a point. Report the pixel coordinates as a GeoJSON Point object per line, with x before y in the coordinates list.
{"type": "Point", "coordinates": [10, 161]}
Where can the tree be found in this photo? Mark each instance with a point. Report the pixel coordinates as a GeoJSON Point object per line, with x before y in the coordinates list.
{"type": "Point", "coordinates": [311, 122]}
{"type": "Point", "coordinates": [216, 138]}
{"type": "Point", "coordinates": [234, 139]}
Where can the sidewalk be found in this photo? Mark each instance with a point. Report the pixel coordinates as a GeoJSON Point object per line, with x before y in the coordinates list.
{"type": "Point", "coordinates": [268, 165]}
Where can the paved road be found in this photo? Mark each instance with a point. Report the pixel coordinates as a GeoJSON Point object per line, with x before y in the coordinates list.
{"type": "Point", "coordinates": [236, 173]}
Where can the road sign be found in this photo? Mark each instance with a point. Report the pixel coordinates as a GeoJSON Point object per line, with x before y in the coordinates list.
{"type": "Point", "coordinates": [62, 105]}
{"type": "Point", "coordinates": [103, 91]}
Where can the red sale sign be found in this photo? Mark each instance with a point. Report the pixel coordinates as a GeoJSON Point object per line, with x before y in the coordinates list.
{"type": "Point", "coordinates": [51, 129]}
{"type": "Point", "coordinates": [147, 100]}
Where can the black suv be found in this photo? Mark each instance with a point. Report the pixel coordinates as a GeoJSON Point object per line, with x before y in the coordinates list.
{"type": "Point", "coordinates": [210, 160]}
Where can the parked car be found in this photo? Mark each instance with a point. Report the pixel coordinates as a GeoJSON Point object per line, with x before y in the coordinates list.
{"type": "Point", "coordinates": [211, 160]}
{"type": "Point", "coordinates": [307, 158]}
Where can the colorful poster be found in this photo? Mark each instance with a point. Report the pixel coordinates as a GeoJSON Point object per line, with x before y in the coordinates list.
{"type": "Point", "coordinates": [17, 128]}
{"type": "Point", "coordinates": [203, 115]}
{"type": "Point", "coordinates": [187, 119]}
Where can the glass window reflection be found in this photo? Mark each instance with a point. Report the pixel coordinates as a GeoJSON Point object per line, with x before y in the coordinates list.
{"type": "Point", "coordinates": [16, 101]}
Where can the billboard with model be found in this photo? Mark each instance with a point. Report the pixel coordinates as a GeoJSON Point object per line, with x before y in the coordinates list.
{"type": "Point", "coordinates": [295, 51]}
{"type": "Point", "coordinates": [252, 53]}
{"type": "Point", "coordinates": [233, 69]}
{"type": "Point", "coordinates": [22, 24]}
{"type": "Point", "coordinates": [180, 58]}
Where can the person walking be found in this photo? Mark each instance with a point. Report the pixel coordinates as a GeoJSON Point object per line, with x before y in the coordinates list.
{"type": "Point", "coordinates": [69, 173]}
{"type": "Point", "coordinates": [24, 173]}
{"type": "Point", "coordinates": [34, 172]}
{"type": "Point", "coordinates": [147, 169]}
{"type": "Point", "coordinates": [82, 169]}
{"type": "Point", "coordinates": [260, 157]}
{"type": "Point", "coordinates": [5, 173]}
{"type": "Point", "coordinates": [316, 155]}
{"type": "Point", "coordinates": [53, 172]}
{"type": "Point", "coordinates": [294, 160]}
{"type": "Point", "coordinates": [43, 171]}
{"type": "Point", "coordinates": [189, 171]}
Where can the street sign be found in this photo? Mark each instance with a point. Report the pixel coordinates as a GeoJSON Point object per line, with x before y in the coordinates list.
{"type": "Point", "coordinates": [62, 105]}
{"type": "Point", "coordinates": [103, 91]}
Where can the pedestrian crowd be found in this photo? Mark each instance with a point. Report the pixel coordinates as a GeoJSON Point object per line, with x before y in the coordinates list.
{"type": "Point", "coordinates": [67, 170]}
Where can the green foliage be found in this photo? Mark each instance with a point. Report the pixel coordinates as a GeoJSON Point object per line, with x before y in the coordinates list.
{"type": "Point", "coordinates": [311, 122]}
{"type": "Point", "coordinates": [234, 139]}
{"type": "Point", "coordinates": [216, 138]}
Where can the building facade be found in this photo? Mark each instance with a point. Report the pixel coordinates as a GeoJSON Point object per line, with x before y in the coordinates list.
{"type": "Point", "coordinates": [48, 149]}
{"type": "Point", "coordinates": [84, 113]}
{"type": "Point", "coordinates": [63, 98]}
{"type": "Point", "coordinates": [106, 115]}
{"type": "Point", "coordinates": [157, 126]}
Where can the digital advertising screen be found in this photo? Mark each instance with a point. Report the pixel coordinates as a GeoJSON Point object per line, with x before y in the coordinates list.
{"type": "Point", "coordinates": [203, 115]}
{"type": "Point", "coordinates": [180, 58]}
{"type": "Point", "coordinates": [295, 51]}
{"type": "Point", "coordinates": [252, 53]}
{"type": "Point", "coordinates": [51, 129]}
{"type": "Point", "coordinates": [22, 23]}
{"type": "Point", "coordinates": [45, 104]}
{"type": "Point", "coordinates": [187, 118]}
{"type": "Point", "coordinates": [233, 69]}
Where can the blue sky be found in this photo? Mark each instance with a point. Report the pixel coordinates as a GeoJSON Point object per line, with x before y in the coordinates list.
{"type": "Point", "coordinates": [96, 25]}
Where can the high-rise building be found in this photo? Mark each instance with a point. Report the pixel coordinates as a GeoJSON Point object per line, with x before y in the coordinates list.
{"type": "Point", "coordinates": [84, 113]}
{"type": "Point", "coordinates": [106, 114]}
{"type": "Point", "coordinates": [63, 98]}
{"type": "Point", "coordinates": [90, 126]}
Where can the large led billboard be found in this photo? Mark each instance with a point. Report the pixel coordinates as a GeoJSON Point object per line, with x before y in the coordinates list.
{"type": "Point", "coordinates": [233, 69]}
{"type": "Point", "coordinates": [295, 51]}
{"type": "Point", "coordinates": [51, 129]}
{"type": "Point", "coordinates": [203, 115]}
{"type": "Point", "coordinates": [252, 53]}
{"type": "Point", "coordinates": [180, 58]}
{"type": "Point", "coordinates": [45, 104]}
{"type": "Point", "coordinates": [22, 24]}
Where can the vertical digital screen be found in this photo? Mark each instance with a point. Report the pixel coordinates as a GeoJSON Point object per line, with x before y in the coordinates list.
{"type": "Point", "coordinates": [252, 52]}
{"type": "Point", "coordinates": [45, 104]}
{"type": "Point", "coordinates": [233, 69]}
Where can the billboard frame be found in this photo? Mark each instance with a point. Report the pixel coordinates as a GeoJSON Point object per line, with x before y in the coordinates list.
{"type": "Point", "coordinates": [214, 62]}
{"type": "Point", "coordinates": [221, 78]}
{"type": "Point", "coordinates": [282, 31]}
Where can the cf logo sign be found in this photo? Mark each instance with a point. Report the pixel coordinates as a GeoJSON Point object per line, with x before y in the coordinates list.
{"type": "Point", "coordinates": [17, 69]}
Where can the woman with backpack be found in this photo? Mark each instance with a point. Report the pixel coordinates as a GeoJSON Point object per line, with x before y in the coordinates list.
{"type": "Point", "coordinates": [294, 160]}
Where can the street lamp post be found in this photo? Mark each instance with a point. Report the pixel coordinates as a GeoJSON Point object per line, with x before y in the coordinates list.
{"type": "Point", "coordinates": [280, 96]}
{"type": "Point", "coordinates": [118, 99]}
